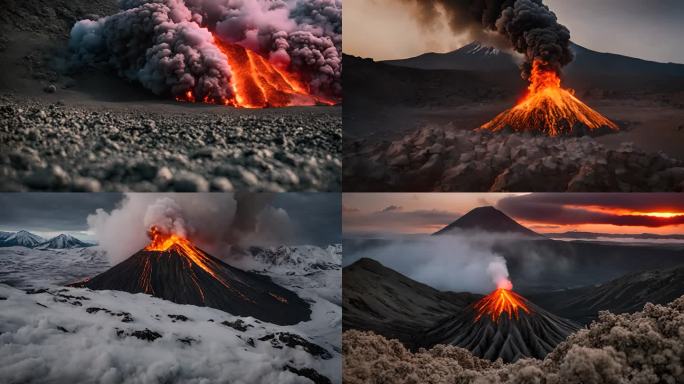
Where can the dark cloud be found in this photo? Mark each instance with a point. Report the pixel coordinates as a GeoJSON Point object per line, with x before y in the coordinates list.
{"type": "Point", "coordinates": [578, 208]}
{"type": "Point", "coordinates": [393, 219]}
{"type": "Point", "coordinates": [316, 216]}
{"type": "Point", "coordinates": [392, 208]}
{"type": "Point", "coordinates": [52, 211]}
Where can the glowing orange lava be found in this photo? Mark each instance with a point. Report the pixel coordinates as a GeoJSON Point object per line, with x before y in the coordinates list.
{"type": "Point", "coordinates": [665, 213]}
{"type": "Point", "coordinates": [162, 242]}
{"type": "Point", "coordinates": [548, 108]}
{"type": "Point", "coordinates": [500, 301]}
{"type": "Point", "coordinates": [257, 83]}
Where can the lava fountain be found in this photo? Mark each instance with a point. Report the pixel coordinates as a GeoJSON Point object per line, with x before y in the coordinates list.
{"type": "Point", "coordinates": [550, 109]}
{"type": "Point", "coordinates": [258, 83]}
{"type": "Point", "coordinates": [501, 301]}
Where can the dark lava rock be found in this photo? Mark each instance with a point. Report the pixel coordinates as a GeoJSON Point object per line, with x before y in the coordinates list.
{"type": "Point", "coordinates": [237, 324]}
{"type": "Point", "coordinates": [146, 335]}
{"type": "Point", "coordinates": [178, 318]}
{"type": "Point", "coordinates": [280, 339]}
{"type": "Point", "coordinates": [309, 373]}
{"type": "Point", "coordinates": [187, 340]}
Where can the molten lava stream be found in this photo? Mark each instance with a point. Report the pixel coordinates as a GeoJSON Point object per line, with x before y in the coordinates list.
{"type": "Point", "coordinates": [499, 302]}
{"type": "Point", "coordinates": [258, 84]}
{"type": "Point", "coordinates": [548, 108]}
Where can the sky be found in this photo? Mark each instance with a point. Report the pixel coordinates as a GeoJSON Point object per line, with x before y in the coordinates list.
{"type": "Point", "coordinates": [315, 216]}
{"type": "Point", "coordinates": [650, 30]}
{"type": "Point", "coordinates": [420, 213]}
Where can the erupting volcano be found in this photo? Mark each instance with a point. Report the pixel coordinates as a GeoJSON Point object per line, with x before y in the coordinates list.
{"type": "Point", "coordinates": [171, 267]}
{"type": "Point", "coordinates": [503, 325]}
{"type": "Point", "coordinates": [550, 109]}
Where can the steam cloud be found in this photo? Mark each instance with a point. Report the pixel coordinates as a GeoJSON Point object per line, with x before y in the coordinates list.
{"type": "Point", "coordinates": [168, 45]}
{"type": "Point", "coordinates": [459, 262]}
{"type": "Point", "coordinates": [215, 222]}
{"type": "Point", "coordinates": [528, 26]}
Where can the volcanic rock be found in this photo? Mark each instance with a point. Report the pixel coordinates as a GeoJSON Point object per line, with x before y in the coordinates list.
{"type": "Point", "coordinates": [202, 280]}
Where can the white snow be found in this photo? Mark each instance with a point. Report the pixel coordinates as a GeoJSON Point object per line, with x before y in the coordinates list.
{"type": "Point", "coordinates": [34, 347]}
{"type": "Point", "coordinates": [22, 238]}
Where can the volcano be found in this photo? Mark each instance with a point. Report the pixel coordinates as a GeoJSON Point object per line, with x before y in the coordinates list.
{"type": "Point", "coordinates": [488, 219]}
{"type": "Point", "coordinates": [550, 109]}
{"type": "Point", "coordinates": [503, 325]}
{"type": "Point", "coordinates": [174, 269]}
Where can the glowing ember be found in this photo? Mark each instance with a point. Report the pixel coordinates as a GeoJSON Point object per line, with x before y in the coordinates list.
{"type": "Point", "coordinates": [500, 301]}
{"type": "Point", "coordinates": [549, 109]}
{"type": "Point", "coordinates": [256, 83]}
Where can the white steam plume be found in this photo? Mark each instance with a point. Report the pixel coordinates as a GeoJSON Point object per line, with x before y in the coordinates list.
{"type": "Point", "coordinates": [498, 271]}
{"type": "Point", "coordinates": [209, 220]}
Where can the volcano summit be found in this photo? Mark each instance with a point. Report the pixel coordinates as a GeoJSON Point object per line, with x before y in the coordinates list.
{"type": "Point", "coordinates": [174, 269]}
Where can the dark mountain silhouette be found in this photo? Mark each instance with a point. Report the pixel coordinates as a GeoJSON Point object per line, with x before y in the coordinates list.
{"type": "Point", "coordinates": [531, 333]}
{"type": "Point", "coordinates": [623, 295]}
{"type": "Point", "coordinates": [198, 278]}
{"type": "Point", "coordinates": [487, 219]}
{"type": "Point", "coordinates": [379, 299]}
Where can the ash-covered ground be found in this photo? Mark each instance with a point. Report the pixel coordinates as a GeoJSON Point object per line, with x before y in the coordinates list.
{"type": "Point", "coordinates": [66, 147]}
{"type": "Point", "coordinates": [445, 158]}
{"type": "Point", "coordinates": [87, 129]}
{"type": "Point", "coordinates": [643, 347]}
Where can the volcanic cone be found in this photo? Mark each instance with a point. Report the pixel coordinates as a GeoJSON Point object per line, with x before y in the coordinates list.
{"type": "Point", "coordinates": [503, 325]}
{"type": "Point", "coordinates": [176, 270]}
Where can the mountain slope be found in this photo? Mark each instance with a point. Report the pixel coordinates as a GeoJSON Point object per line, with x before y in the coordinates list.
{"type": "Point", "coordinates": [20, 238]}
{"type": "Point", "coordinates": [381, 300]}
{"type": "Point", "coordinates": [623, 295]}
{"type": "Point", "coordinates": [197, 278]}
{"type": "Point", "coordinates": [63, 241]}
{"type": "Point", "coordinates": [533, 332]}
{"type": "Point", "coordinates": [488, 219]}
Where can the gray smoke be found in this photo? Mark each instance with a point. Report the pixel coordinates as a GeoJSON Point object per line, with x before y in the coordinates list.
{"type": "Point", "coordinates": [216, 222]}
{"type": "Point", "coordinates": [169, 46]}
{"type": "Point", "coordinates": [528, 26]}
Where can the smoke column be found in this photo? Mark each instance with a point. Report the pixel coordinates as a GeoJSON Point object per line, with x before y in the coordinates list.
{"type": "Point", "coordinates": [528, 26]}
{"type": "Point", "coordinates": [498, 271]}
{"type": "Point", "coordinates": [169, 46]}
{"type": "Point", "coordinates": [209, 220]}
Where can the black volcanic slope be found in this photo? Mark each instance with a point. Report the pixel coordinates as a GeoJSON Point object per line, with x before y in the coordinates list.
{"type": "Point", "coordinates": [173, 276]}
{"type": "Point", "coordinates": [626, 294]}
{"type": "Point", "coordinates": [388, 303]}
{"type": "Point", "coordinates": [532, 334]}
{"type": "Point", "coordinates": [487, 219]}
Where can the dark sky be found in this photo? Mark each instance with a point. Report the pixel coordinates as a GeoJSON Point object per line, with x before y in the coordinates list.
{"type": "Point", "coordinates": [646, 29]}
{"type": "Point", "coordinates": [316, 216]}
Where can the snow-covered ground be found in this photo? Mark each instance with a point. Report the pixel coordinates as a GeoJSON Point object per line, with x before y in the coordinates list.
{"type": "Point", "coordinates": [82, 336]}
{"type": "Point", "coordinates": [23, 267]}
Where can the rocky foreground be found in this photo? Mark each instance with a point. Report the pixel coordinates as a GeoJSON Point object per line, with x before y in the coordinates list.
{"type": "Point", "coordinates": [445, 158]}
{"type": "Point", "coordinates": [54, 147]}
{"type": "Point", "coordinates": [644, 347]}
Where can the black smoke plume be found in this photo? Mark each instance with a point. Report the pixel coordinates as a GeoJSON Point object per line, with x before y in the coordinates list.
{"type": "Point", "coordinates": [528, 26]}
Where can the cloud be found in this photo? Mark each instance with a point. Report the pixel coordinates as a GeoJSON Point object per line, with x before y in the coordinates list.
{"type": "Point", "coordinates": [394, 218]}
{"type": "Point", "coordinates": [392, 208]}
{"type": "Point", "coordinates": [620, 209]}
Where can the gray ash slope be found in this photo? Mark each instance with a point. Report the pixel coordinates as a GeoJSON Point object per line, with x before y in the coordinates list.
{"type": "Point", "coordinates": [52, 146]}
{"type": "Point", "coordinates": [532, 334]}
{"type": "Point", "coordinates": [171, 275]}
{"type": "Point", "coordinates": [626, 294]}
{"type": "Point", "coordinates": [379, 299]}
{"type": "Point", "coordinates": [487, 219]}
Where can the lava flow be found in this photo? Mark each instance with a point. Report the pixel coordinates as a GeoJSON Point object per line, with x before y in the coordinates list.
{"type": "Point", "coordinates": [257, 83]}
{"type": "Point", "coordinates": [550, 109]}
{"type": "Point", "coordinates": [501, 301]}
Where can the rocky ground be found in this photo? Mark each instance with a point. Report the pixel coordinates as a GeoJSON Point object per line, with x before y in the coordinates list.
{"type": "Point", "coordinates": [57, 147]}
{"type": "Point", "coordinates": [445, 158]}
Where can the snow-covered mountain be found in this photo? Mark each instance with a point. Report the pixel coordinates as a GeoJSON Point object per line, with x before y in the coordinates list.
{"type": "Point", "coordinates": [63, 241]}
{"type": "Point", "coordinates": [303, 258]}
{"type": "Point", "coordinates": [20, 238]}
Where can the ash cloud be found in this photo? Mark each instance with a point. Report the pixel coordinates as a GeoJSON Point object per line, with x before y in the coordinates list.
{"type": "Point", "coordinates": [169, 46]}
{"type": "Point", "coordinates": [527, 26]}
{"type": "Point", "coordinates": [215, 222]}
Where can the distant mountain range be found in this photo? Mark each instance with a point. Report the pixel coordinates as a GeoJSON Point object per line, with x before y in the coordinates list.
{"type": "Point", "coordinates": [487, 219]}
{"type": "Point", "coordinates": [29, 240]}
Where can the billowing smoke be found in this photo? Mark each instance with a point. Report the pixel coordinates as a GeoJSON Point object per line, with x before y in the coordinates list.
{"type": "Point", "coordinates": [214, 222]}
{"type": "Point", "coordinates": [170, 47]}
{"type": "Point", "coordinates": [498, 271]}
{"type": "Point", "coordinates": [528, 26]}
{"type": "Point", "coordinates": [460, 262]}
